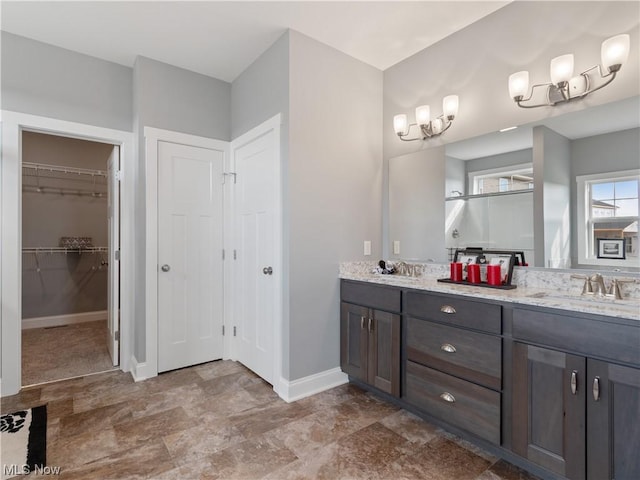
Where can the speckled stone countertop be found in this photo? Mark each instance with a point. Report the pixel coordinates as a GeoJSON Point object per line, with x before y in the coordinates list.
{"type": "Point", "coordinates": [539, 287]}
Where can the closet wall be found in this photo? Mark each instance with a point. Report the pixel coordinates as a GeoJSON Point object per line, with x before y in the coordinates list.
{"type": "Point", "coordinates": [56, 205]}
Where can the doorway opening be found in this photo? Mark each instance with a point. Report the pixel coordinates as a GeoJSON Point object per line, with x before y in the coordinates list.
{"type": "Point", "coordinates": [70, 237]}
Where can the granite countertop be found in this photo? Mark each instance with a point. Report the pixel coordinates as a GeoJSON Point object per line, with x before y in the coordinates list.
{"type": "Point", "coordinates": [628, 308]}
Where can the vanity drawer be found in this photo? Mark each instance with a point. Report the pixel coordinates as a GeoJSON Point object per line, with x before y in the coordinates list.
{"type": "Point", "coordinates": [371, 295]}
{"type": "Point", "coordinates": [592, 337]}
{"type": "Point", "coordinates": [471, 355]}
{"type": "Point", "coordinates": [482, 316]}
{"type": "Point", "coordinates": [457, 402]}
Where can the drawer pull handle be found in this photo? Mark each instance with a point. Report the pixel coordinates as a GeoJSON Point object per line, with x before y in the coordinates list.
{"type": "Point", "coordinates": [447, 347]}
{"type": "Point", "coordinates": [361, 322]}
{"type": "Point", "coordinates": [447, 309]}
{"type": "Point", "coordinates": [574, 382]}
{"type": "Point", "coordinates": [370, 327]}
{"type": "Point", "coordinates": [447, 397]}
{"type": "Point", "coordinates": [596, 389]}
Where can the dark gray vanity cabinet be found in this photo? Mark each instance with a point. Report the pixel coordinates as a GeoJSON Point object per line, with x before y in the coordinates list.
{"type": "Point", "coordinates": [370, 335]}
{"type": "Point", "coordinates": [453, 366]}
{"type": "Point", "coordinates": [548, 416]}
{"type": "Point", "coordinates": [576, 405]}
{"type": "Point", "coordinates": [613, 422]}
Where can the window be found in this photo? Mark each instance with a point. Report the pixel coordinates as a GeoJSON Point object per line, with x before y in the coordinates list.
{"type": "Point", "coordinates": [506, 179]}
{"type": "Point", "coordinates": [608, 207]}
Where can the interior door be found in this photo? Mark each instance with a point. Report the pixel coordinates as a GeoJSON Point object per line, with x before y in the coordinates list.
{"type": "Point", "coordinates": [190, 242]}
{"type": "Point", "coordinates": [113, 289]}
{"type": "Point", "coordinates": [257, 270]}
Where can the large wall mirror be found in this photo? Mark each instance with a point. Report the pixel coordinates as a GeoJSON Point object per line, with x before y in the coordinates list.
{"type": "Point", "coordinates": [564, 190]}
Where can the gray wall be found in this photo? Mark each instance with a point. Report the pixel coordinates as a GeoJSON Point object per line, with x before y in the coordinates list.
{"type": "Point", "coordinates": [44, 80]}
{"type": "Point", "coordinates": [475, 63]}
{"type": "Point", "coordinates": [262, 90]}
{"type": "Point", "coordinates": [551, 198]}
{"type": "Point", "coordinates": [169, 98]}
{"type": "Point", "coordinates": [334, 191]}
{"type": "Point", "coordinates": [416, 204]}
{"type": "Point", "coordinates": [71, 283]}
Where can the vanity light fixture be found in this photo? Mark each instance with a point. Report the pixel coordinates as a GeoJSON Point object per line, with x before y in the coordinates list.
{"type": "Point", "coordinates": [564, 86]}
{"type": "Point", "coordinates": [428, 128]}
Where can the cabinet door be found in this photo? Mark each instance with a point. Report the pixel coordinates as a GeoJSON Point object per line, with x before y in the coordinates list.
{"type": "Point", "coordinates": [353, 340]}
{"type": "Point", "coordinates": [548, 417]}
{"type": "Point", "coordinates": [384, 352]}
{"type": "Point", "coordinates": [613, 435]}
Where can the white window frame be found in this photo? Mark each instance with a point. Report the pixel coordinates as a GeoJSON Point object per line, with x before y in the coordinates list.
{"type": "Point", "coordinates": [474, 177]}
{"type": "Point", "coordinates": [582, 221]}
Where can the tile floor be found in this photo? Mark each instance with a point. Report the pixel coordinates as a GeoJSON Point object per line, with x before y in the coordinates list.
{"type": "Point", "coordinates": [67, 351]}
{"type": "Point", "coordinates": [220, 421]}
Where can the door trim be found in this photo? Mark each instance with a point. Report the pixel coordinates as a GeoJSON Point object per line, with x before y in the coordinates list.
{"type": "Point", "coordinates": [280, 384]}
{"type": "Point", "coordinates": [13, 123]}
{"type": "Point", "coordinates": [149, 367]}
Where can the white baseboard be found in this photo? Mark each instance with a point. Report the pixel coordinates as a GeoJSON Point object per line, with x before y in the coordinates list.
{"type": "Point", "coordinates": [307, 386]}
{"type": "Point", "coordinates": [58, 320]}
{"type": "Point", "coordinates": [139, 370]}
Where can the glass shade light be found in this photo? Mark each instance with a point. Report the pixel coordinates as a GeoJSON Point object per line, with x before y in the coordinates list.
{"type": "Point", "coordinates": [450, 106]}
{"type": "Point", "coordinates": [400, 123]}
{"type": "Point", "coordinates": [615, 51]}
{"type": "Point", "coordinates": [423, 115]}
{"type": "Point", "coordinates": [519, 84]}
{"type": "Point", "coordinates": [561, 69]}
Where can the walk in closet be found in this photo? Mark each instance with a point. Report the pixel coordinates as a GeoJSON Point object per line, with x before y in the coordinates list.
{"type": "Point", "coordinates": [65, 257]}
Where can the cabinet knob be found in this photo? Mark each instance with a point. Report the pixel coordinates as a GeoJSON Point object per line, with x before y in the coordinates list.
{"type": "Point", "coordinates": [447, 347]}
{"type": "Point", "coordinates": [165, 268]}
{"type": "Point", "coordinates": [447, 397]}
{"type": "Point", "coordinates": [574, 382]}
{"type": "Point", "coordinates": [447, 309]}
{"type": "Point", "coordinates": [596, 389]}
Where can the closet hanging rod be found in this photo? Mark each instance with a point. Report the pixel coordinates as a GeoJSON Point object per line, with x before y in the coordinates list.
{"type": "Point", "coordinates": [65, 250]}
{"type": "Point", "coordinates": [69, 170]}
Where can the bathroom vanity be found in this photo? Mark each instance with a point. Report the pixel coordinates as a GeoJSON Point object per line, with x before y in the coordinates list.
{"type": "Point", "coordinates": [550, 383]}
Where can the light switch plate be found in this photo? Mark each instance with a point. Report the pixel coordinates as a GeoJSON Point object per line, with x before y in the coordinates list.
{"type": "Point", "coordinates": [396, 247]}
{"type": "Point", "coordinates": [367, 247]}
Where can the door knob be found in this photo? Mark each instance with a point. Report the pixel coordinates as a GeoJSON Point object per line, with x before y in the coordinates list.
{"type": "Point", "coordinates": [267, 270]}
{"type": "Point", "coordinates": [165, 268]}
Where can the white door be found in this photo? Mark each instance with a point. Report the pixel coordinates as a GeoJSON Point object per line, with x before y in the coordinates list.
{"type": "Point", "coordinates": [190, 236]}
{"type": "Point", "coordinates": [113, 289]}
{"type": "Point", "coordinates": [257, 264]}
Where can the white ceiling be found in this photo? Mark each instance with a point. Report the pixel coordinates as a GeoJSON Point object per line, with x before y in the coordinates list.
{"type": "Point", "coordinates": [221, 39]}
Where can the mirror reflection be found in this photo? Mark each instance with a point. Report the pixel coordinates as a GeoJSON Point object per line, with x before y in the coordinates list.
{"type": "Point", "coordinates": [564, 190]}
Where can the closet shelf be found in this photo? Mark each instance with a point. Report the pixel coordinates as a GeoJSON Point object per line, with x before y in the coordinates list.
{"type": "Point", "coordinates": [65, 250]}
{"type": "Point", "coordinates": [43, 167]}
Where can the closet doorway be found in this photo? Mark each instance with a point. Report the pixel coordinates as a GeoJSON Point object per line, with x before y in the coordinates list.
{"type": "Point", "coordinates": [70, 274]}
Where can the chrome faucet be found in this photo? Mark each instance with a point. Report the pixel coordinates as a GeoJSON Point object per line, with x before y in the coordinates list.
{"type": "Point", "coordinates": [597, 283]}
{"type": "Point", "coordinates": [614, 288]}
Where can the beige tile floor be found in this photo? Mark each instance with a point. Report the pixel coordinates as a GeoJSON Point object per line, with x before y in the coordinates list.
{"type": "Point", "coordinates": [219, 421]}
{"type": "Point", "coordinates": [68, 351]}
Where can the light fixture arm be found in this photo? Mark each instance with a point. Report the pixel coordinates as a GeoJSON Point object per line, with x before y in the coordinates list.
{"type": "Point", "coordinates": [563, 90]}
{"type": "Point", "coordinates": [428, 130]}
{"type": "Point", "coordinates": [564, 87]}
